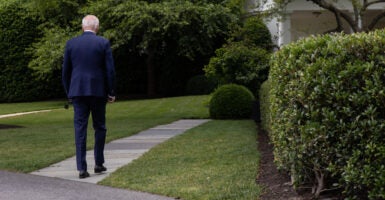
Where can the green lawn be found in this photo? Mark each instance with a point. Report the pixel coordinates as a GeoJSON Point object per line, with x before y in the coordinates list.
{"type": "Point", "coordinates": [48, 137]}
{"type": "Point", "coordinates": [218, 160]}
{"type": "Point", "coordinates": [7, 108]}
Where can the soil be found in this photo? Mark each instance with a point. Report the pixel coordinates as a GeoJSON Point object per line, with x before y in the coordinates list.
{"type": "Point", "coordinates": [276, 185]}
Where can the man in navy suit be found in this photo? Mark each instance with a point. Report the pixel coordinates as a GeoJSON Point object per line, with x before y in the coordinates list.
{"type": "Point", "coordinates": [88, 77]}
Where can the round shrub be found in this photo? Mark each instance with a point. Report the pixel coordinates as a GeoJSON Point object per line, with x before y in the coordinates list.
{"type": "Point", "coordinates": [231, 101]}
{"type": "Point", "coordinates": [255, 33]}
{"type": "Point", "coordinates": [327, 112]}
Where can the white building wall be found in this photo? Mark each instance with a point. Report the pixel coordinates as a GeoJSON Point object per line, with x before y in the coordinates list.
{"type": "Point", "coordinates": [304, 18]}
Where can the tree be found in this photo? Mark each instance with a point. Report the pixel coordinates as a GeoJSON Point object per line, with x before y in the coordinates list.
{"type": "Point", "coordinates": [56, 17]}
{"type": "Point", "coordinates": [56, 27]}
{"type": "Point", "coordinates": [58, 12]}
{"type": "Point", "coordinates": [355, 20]}
{"type": "Point", "coordinates": [245, 59]}
{"type": "Point", "coordinates": [150, 36]}
{"type": "Point", "coordinates": [164, 30]}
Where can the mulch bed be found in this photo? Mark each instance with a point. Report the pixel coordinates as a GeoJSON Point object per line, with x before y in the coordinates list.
{"type": "Point", "coordinates": [276, 185]}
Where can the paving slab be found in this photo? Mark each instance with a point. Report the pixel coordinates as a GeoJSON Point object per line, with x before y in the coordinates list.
{"type": "Point", "coordinates": [119, 152]}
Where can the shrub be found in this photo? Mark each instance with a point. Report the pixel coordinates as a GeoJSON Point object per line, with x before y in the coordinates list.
{"type": "Point", "coordinates": [200, 84]}
{"type": "Point", "coordinates": [327, 105]}
{"type": "Point", "coordinates": [264, 102]}
{"type": "Point", "coordinates": [231, 102]}
{"type": "Point", "coordinates": [239, 64]}
{"type": "Point", "coordinates": [17, 32]}
{"type": "Point", "coordinates": [244, 60]}
{"type": "Point", "coordinates": [255, 33]}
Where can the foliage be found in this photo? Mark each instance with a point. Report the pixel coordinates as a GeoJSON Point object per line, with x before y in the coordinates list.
{"type": "Point", "coordinates": [200, 84]}
{"type": "Point", "coordinates": [327, 97]}
{"type": "Point", "coordinates": [57, 12]}
{"type": "Point", "coordinates": [264, 102]}
{"type": "Point", "coordinates": [231, 101]}
{"type": "Point", "coordinates": [57, 19]}
{"type": "Point", "coordinates": [23, 53]}
{"type": "Point", "coordinates": [253, 33]}
{"type": "Point", "coordinates": [147, 34]}
{"type": "Point", "coordinates": [48, 51]}
{"type": "Point", "coordinates": [17, 32]}
{"type": "Point", "coordinates": [245, 59]}
{"type": "Point", "coordinates": [164, 34]}
{"type": "Point", "coordinates": [195, 28]}
{"type": "Point", "coordinates": [239, 64]}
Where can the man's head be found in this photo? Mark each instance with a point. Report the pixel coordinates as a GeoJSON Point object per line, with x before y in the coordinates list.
{"type": "Point", "coordinates": [90, 23]}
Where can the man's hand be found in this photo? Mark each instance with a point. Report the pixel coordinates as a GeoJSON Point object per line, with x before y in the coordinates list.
{"type": "Point", "coordinates": [67, 105]}
{"type": "Point", "coordinates": [111, 99]}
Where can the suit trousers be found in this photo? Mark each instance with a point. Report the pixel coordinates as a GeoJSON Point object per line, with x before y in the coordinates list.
{"type": "Point", "coordinates": [83, 107]}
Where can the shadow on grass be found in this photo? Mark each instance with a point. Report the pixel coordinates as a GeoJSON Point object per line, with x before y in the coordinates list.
{"type": "Point", "coordinates": [6, 126]}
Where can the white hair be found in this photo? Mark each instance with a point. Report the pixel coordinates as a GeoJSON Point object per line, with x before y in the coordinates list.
{"type": "Point", "coordinates": [90, 22]}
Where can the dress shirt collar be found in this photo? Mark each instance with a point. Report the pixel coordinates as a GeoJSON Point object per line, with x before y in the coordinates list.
{"type": "Point", "coordinates": [89, 31]}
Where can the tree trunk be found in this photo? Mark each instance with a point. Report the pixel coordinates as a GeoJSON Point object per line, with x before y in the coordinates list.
{"type": "Point", "coordinates": [320, 185]}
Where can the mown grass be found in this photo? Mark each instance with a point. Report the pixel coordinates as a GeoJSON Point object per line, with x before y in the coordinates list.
{"type": "Point", "coordinates": [47, 138]}
{"type": "Point", "coordinates": [7, 108]}
{"type": "Point", "coordinates": [217, 160]}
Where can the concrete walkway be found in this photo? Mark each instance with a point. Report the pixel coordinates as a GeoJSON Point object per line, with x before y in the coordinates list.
{"type": "Point", "coordinates": [60, 180]}
{"type": "Point", "coordinates": [119, 152]}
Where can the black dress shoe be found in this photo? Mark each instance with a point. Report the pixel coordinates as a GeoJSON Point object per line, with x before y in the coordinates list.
{"type": "Point", "coordinates": [99, 169]}
{"type": "Point", "coordinates": [84, 174]}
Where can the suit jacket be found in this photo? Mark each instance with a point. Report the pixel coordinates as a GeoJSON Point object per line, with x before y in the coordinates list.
{"type": "Point", "coordinates": [88, 67]}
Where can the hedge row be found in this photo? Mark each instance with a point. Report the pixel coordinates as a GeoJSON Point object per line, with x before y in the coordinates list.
{"type": "Point", "coordinates": [328, 108]}
{"type": "Point", "coordinates": [264, 102]}
{"type": "Point", "coordinates": [18, 31]}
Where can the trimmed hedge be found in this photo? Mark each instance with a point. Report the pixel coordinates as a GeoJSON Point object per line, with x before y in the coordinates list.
{"type": "Point", "coordinates": [17, 32]}
{"type": "Point", "coordinates": [264, 102]}
{"type": "Point", "coordinates": [328, 108]}
{"type": "Point", "coordinates": [231, 101]}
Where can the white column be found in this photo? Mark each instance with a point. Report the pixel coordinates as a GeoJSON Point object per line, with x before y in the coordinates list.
{"type": "Point", "coordinates": [284, 30]}
{"type": "Point", "coordinates": [272, 25]}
